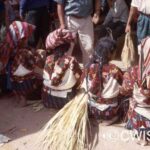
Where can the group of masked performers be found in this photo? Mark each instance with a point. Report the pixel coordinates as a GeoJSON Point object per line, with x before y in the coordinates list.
{"type": "Point", "coordinates": [111, 91]}
{"type": "Point", "coordinates": [60, 76]}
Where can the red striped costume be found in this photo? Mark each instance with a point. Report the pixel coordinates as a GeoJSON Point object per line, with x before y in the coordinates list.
{"type": "Point", "coordinates": [137, 83]}
{"type": "Point", "coordinates": [17, 32]}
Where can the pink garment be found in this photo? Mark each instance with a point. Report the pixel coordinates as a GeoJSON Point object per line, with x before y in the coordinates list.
{"type": "Point", "coordinates": [58, 37]}
{"type": "Point", "coordinates": [17, 32]}
{"type": "Point", "coordinates": [20, 30]}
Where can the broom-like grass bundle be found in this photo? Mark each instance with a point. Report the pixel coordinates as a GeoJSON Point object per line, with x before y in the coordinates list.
{"type": "Point", "coordinates": [67, 130]}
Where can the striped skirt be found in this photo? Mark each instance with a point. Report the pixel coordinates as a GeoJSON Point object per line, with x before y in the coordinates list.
{"type": "Point", "coordinates": [107, 114]}
{"type": "Point", "coordinates": [51, 101]}
{"type": "Point", "coordinates": [25, 87]}
{"type": "Point", "coordinates": [140, 124]}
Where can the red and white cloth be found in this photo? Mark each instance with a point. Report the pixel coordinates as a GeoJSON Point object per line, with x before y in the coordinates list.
{"type": "Point", "coordinates": [17, 32]}
{"type": "Point", "coordinates": [59, 37]}
{"type": "Point", "coordinates": [20, 30]}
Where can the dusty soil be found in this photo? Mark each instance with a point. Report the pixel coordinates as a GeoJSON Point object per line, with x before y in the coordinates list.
{"type": "Point", "coordinates": [23, 125]}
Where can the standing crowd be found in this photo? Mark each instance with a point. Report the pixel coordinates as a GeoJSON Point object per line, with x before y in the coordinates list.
{"type": "Point", "coordinates": [35, 58]}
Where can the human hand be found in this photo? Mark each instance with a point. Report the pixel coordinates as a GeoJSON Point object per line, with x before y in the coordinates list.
{"type": "Point", "coordinates": [95, 18]}
{"type": "Point", "coordinates": [128, 28]}
{"type": "Point", "coordinates": [62, 26]}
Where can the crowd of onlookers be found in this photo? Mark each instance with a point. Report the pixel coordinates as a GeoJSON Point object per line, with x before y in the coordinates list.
{"type": "Point", "coordinates": [36, 56]}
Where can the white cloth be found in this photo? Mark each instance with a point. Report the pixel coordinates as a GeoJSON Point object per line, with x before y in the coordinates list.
{"type": "Point", "coordinates": [119, 64]}
{"type": "Point", "coordinates": [145, 112]}
{"type": "Point", "coordinates": [84, 28]}
{"type": "Point", "coordinates": [111, 89]}
{"type": "Point", "coordinates": [142, 5]}
{"type": "Point", "coordinates": [139, 97]}
{"type": "Point", "coordinates": [101, 107]}
{"type": "Point", "coordinates": [21, 71]}
{"type": "Point", "coordinates": [142, 108]}
{"type": "Point", "coordinates": [68, 81]}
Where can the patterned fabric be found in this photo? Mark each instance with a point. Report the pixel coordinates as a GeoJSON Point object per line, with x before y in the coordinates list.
{"type": "Point", "coordinates": [18, 31]}
{"type": "Point", "coordinates": [51, 101]}
{"type": "Point", "coordinates": [136, 84]}
{"type": "Point", "coordinates": [25, 59]}
{"type": "Point", "coordinates": [104, 103]}
{"type": "Point", "coordinates": [55, 71]}
{"type": "Point", "coordinates": [24, 80]}
{"type": "Point", "coordinates": [140, 98]}
{"type": "Point", "coordinates": [40, 58]}
{"type": "Point", "coordinates": [6, 48]}
{"type": "Point", "coordinates": [108, 71]}
{"type": "Point", "coordinates": [139, 74]}
{"type": "Point", "coordinates": [107, 114]}
{"type": "Point", "coordinates": [61, 79]}
{"type": "Point", "coordinates": [129, 78]}
{"type": "Point", "coordinates": [132, 86]}
{"type": "Point", "coordinates": [59, 37]}
{"type": "Point", "coordinates": [132, 78]}
{"type": "Point", "coordinates": [140, 125]}
{"type": "Point", "coordinates": [137, 121]}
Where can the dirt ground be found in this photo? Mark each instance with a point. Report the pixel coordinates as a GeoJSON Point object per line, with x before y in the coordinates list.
{"type": "Point", "coordinates": [23, 125]}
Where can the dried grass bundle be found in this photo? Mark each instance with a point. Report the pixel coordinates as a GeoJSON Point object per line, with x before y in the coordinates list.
{"type": "Point", "coordinates": [67, 130]}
